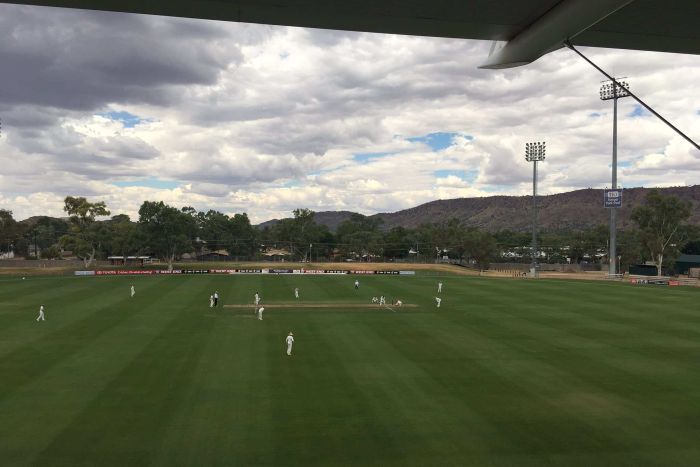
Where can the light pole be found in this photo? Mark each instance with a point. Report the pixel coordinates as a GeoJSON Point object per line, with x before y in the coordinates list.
{"type": "Point", "coordinates": [612, 91]}
{"type": "Point", "coordinates": [534, 152]}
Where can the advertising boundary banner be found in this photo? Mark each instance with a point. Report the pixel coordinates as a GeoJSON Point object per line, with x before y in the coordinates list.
{"type": "Point", "coordinates": [153, 272]}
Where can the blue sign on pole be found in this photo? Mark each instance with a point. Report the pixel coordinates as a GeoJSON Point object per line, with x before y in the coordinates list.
{"type": "Point", "coordinates": [612, 198]}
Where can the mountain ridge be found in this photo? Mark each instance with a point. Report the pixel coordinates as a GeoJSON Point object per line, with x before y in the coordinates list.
{"type": "Point", "coordinates": [573, 210]}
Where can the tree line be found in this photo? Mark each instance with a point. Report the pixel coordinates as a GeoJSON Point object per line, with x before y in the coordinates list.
{"type": "Point", "coordinates": [168, 233]}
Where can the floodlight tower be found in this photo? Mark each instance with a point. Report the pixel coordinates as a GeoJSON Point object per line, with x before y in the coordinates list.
{"type": "Point", "coordinates": [534, 152]}
{"type": "Point", "coordinates": [613, 91]}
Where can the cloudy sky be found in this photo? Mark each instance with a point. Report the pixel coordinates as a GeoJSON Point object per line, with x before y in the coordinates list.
{"type": "Point", "coordinates": [265, 119]}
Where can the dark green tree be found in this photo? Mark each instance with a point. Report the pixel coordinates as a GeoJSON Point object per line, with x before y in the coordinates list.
{"type": "Point", "coordinates": [9, 230]}
{"type": "Point", "coordinates": [167, 231]}
{"type": "Point", "coordinates": [85, 235]}
{"type": "Point", "coordinates": [660, 222]}
{"type": "Point", "coordinates": [479, 247]}
{"type": "Point", "coordinates": [359, 237]}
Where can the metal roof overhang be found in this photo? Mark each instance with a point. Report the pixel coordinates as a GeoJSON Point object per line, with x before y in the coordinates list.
{"type": "Point", "coordinates": [531, 28]}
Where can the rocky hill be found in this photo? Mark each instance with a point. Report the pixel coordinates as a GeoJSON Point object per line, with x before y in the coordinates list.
{"type": "Point", "coordinates": [575, 210]}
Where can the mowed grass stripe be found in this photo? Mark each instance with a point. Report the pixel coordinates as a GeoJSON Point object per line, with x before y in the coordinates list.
{"type": "Point", "coordinates": [316, 392]}
{"type": "Point", "coordinates": [35, 412]}
{"type": "Point", "coordinates": [511, 392]}
{"type": "Point", "coordinates": [225, 416]}
{"type": "Point", "coordinates": [124, 422]}
{"type": "Point", "coordinates": [87, 319]}
{"type": "Point", "coordinates": [595, 383]}
{"type": "Point", "coordinates": [63, 298]}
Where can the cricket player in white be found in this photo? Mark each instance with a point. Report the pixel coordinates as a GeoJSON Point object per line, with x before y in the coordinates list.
{"type": "Point", "coordinates": [439, 287]}
{"type": "Point", "coordinates": [438, 300]}
{"type": "Point", "coordinates": [41, 314]}
{"type": "Point", "coordinates": [133, 291]}
{"type": "Point", "coordinates": [290, 341]}
{"type": "Point", "coordinates": [211, 301]}
{"type": "Point", "coordinates": [257, 298]}
{"type": "Point", "coordinates": [399, 303]}
{"type": "Point", "coordinates": [296, 292]}
{"type": "Point", "coordinates": [260, 311]}
{"type": "Point", "coordinates": [382, 300]}
{"type": "Point", "coordinates": [216, 298]}
{"type": "Point", "coordinates": [375, 300]}
{"type": "Point", "coordinates": [357, 284]}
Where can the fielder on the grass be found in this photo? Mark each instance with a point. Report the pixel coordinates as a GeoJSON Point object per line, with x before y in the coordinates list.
{"type": "Point", "coordinates": [211, 301]}
{"type": "Point", "coordinates": [296, 292]}
{"type": "Point", "coordinates": [257, 298]}
{"type": "Point", "coordinates": [382, 300]}
{"type": "Point", "coordinates": [398, 303]}
{"type": "Point", "coordinates": [357, 284]}
{"type": "Point", "coordinates": [439, 287]}
{"type": "Point", "coordinates": [375, 300]}
{"type": "Point", "coordinates": [216, 298]}
{"type": "Point", "coordinates": [290, 341]}
{"type": "Point", "coordinates": [260, 312]}
{"type": "Point", "coordinates": [41, 314]}
{"type": "Point", "coordinates": [133, 291]}
{"type": "Point", "coordinates": [438, 300]}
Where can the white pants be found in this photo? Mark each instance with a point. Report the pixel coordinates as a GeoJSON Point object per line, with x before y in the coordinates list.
{"type": "Point", "coordinates": [260, 315]}
{"type": "Point", "coordinates": [41, 316]}
{"type": "Point", "coordinates": [296, 294]}
{"type": "Point", "coordinates": [133, 293]}
{"type": "Point", "coordinates": [211, 303]}
{"type": "Point", "coordinates": [289, 348]}
{"type": "Point", "coordinates": [439, 288]}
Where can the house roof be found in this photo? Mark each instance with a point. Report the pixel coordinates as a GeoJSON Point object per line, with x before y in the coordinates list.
{"type": "Point", "coordinates": [688, 259]}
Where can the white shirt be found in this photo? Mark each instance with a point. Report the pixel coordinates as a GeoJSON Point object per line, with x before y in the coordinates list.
{"type": "Point", "coordinates": [216, 295]}
{"type": "Point", "coordinates": [290, 339]}
{"type": "Point", "coordinates": [41, 309]}
{"type": "Point", "coordinates": [437, 299]}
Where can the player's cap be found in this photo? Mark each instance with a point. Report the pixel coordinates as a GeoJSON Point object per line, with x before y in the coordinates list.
{"type": "Point", "coordinates": [290, 333]}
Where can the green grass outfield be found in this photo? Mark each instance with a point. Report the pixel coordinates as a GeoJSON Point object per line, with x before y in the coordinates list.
{"type": "Point", "coordinates": [505, 373]}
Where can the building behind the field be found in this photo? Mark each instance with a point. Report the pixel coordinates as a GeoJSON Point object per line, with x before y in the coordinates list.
{"type": "Point", "coordinates": [128, 260]}
{"type": "Point", "coordinates": [685, 263]}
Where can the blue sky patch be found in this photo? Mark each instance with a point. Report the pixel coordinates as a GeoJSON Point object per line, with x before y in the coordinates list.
{"type": "Point", "coordinates": [150, 182]}
{"type": "Point", "coordinates": [128, 120]}
{"type": "Point", "coordinates": [639, 111]}
{"type": "Point", "coordinates": [368, 156]}
{"type": "Point", "coordinates": [291, 184]}
{"type": "Point", "coordinates": [439, 140]}
{"type": "Point", "coordinates": [594, 115]}
{"type": "Point", "coordinates": [466, 175]}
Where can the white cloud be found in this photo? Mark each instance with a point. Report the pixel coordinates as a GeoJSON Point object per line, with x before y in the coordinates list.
{"type": "Point", "coordinates": [266, 119]}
